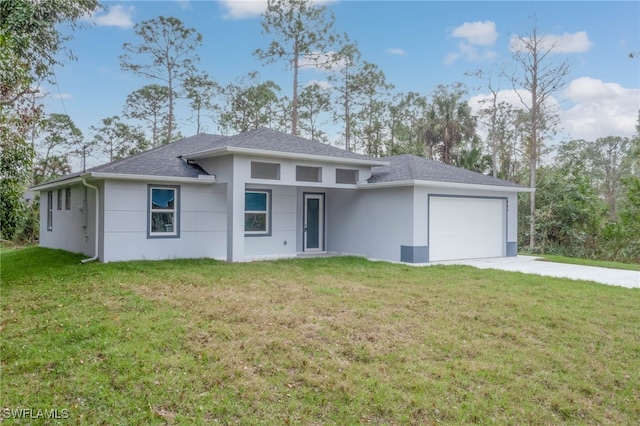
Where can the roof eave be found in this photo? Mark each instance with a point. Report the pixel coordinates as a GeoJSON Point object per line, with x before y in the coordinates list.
{"type": "Point", "coordinates": [439, 184]}
{"type": "Point", "coordinates": [217, 152]}
{"type": "Point", "coordinates": [201, 179]}
{"type": "Point", "coordinates": [57, 183]}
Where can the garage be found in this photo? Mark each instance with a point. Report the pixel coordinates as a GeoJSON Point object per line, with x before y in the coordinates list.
{"type": "Point", "coordinates": [466, 227]}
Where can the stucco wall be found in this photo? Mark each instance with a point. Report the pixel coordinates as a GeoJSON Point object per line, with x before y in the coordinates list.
{"type": "Point", "coordinates": [371, 223]}
{"type": "Point", "coordinates": [282, 240]}
{"type": "Point", "coordinates": [202, 223]}
{"type": "Point", "coordinates": [74, 229]}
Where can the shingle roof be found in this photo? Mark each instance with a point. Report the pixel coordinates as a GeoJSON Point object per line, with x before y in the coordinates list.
{"type": "Point", "coordinates": [162, 161]}
{"type": "Point", "coordinates": [409, 168]}
{"type": "Point", "coordinates": [273, 140]}
{"type": "Point", "coordinates": [168, 160]}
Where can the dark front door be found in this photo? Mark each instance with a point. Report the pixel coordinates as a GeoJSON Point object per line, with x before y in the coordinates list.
{"type": "Point", "coordinates": [313, 231]}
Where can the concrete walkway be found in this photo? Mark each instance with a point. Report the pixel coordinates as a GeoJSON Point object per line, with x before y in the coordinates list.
{"type": "Point", "coordinates": [529, 265]}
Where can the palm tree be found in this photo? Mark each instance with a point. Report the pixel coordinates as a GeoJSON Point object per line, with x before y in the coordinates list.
{"type": "Point", "coordinates": [473, 159]}
{"type": "Point", "coordinates": [448, 123]}
{"type": "Point", "coordinates": [51, 168]}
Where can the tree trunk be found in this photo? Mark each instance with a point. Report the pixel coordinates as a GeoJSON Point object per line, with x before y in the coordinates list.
{"type": "Point", "coordinates": [534, 147]}
{"type": "Point", "coordinates": [347, 119]}
{"type": "Point", "coordinates": [294, 101]}
{"type": "Point", "coordinates": [170, 119]}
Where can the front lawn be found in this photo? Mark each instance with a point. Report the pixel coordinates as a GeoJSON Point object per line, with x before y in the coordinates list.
{"type": "Point", "coordinates": [313, 341]}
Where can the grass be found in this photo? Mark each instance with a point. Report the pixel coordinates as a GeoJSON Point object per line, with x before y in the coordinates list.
{"type": "Point", "coordinates": [313, 341]}
{"type": "Point", "coordinates": [590, 262]}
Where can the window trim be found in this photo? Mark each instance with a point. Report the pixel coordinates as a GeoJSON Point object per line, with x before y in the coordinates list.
{"type": "Point", "coordinates": [50, 211]}
{"type": "Point", "coordinates": [175, 211]}
{"type": "Point", "coordinates": [59, 199]}
{"type": "Point", "coordinates": [67, 199]}
{"type": "Point", "coordinates": [267, 232]}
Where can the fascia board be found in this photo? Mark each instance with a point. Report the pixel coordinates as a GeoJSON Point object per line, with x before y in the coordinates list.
{"type": "Point", "coordinates": [277, 154]}
{"type": "Point", "coordinates": [202, 179]}
{"type": "Point", "coordinates": [438, 184]}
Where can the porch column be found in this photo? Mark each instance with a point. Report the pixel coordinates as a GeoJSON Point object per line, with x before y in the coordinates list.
{"type": "Point", "coordinates": [235, 216]}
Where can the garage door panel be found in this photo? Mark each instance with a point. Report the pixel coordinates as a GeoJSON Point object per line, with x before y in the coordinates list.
{"type": "Point", "coordinates": [464, 228]}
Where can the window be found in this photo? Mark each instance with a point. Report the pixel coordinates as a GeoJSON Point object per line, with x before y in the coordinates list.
{"type": "Point", "coordinates": [67, 199]}
{"type": "Point", "coordinates": [346, 176]}
{"type": "Point", "coordinates": [50, 211]}
{"type": "Point", "coordinates": [308, 174]}
{"type": "Point", "coordinates": [163, 212]}
{"type": "Point", "coordinates": [265, 170]}
{"type": "Point", "coordinates": [59, 199]}
{"type": "Point", "coordinates": [257, 212]}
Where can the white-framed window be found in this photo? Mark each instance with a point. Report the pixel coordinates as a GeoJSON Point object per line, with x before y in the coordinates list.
{"type": "Point", "coordinates": [257, 212]}
{"type": "Point", "coordinates": [50, 211]}
{"type": "Point", "coordinates": [59, 199]}
{"type": "Point", "coordinates": [67, 199]}
{"type": "Point", "coordinates": [163, 211]}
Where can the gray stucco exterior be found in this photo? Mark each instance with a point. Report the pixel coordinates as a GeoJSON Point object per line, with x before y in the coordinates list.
{"type": "Point", "coordinates": [384, 214]}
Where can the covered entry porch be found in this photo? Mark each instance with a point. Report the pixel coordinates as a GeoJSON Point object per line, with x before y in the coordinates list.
{"type": "Point", "coordinates": [280, 221]}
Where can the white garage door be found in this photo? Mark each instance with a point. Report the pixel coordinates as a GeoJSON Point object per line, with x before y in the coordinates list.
{"type": "Point", "coordinates": [465, 228]}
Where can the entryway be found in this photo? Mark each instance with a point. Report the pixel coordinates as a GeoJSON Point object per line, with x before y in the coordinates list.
{"type": "Point", "coordinates": [313, 222]}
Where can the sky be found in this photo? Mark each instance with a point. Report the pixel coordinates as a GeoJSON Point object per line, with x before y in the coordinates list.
{"type": "Point", "coordinates": [417, 44]}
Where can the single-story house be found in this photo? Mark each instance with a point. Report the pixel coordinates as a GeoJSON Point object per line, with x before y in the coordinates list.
{"type": "Point", "coordinates": [267, 194]}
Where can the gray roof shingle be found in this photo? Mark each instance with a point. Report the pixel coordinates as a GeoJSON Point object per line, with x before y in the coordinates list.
{"type": "Point", "coordinates": [162, 161]}
{"type": "Point", "coordinates": [168, 160]}
{"type": "Point", "coordinates": [408, 167]}
{"type": "Point", "coordinates": [273, 140]}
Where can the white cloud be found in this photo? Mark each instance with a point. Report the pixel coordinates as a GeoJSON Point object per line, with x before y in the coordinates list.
{"type": "Point", "coordinates": [321, 61]}
{"type": "Point", "coordinates": [242, 9]}
{"type": "Point", "coordinates": [480, 33]}
{"type": "Point", "coordinates": [597, 110]}
{"type": "Point", "coordinates": [396, 51]}
{"type": "Point", "coordinates": [477, 38]}
{"type": "Point", "coordinates": [557, 43]}
{"type": "Point", "coordinates": [470, 53]}
{"type": "Point", "coordinates": [324, 84]}
{"type": "Point", "coordinates": [511, 97]}
{"type": "Point", "coordinates": [600, 109]}
{"type": "Point", "coordinates": [116, 16]}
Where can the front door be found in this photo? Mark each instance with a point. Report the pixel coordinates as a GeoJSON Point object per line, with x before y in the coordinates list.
{"type": "Point", "coordinates": [313, 222]}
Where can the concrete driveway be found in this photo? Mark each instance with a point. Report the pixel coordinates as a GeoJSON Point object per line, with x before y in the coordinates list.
{"type": "Point", "coordinates": [529, 265]}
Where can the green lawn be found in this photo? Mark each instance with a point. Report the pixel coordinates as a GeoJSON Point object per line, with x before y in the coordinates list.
{"type": "Point", "coordinates": [590, 262]}
{"type": "Point", "coordinates": [313, 341]}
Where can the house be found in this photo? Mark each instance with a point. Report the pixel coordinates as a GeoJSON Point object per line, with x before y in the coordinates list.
{"type": "Point", "coordinates": [267, 194]}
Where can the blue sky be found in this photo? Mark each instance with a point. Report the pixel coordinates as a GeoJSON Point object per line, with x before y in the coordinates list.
{"type": "Point", "coordinates": [418, 45]}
